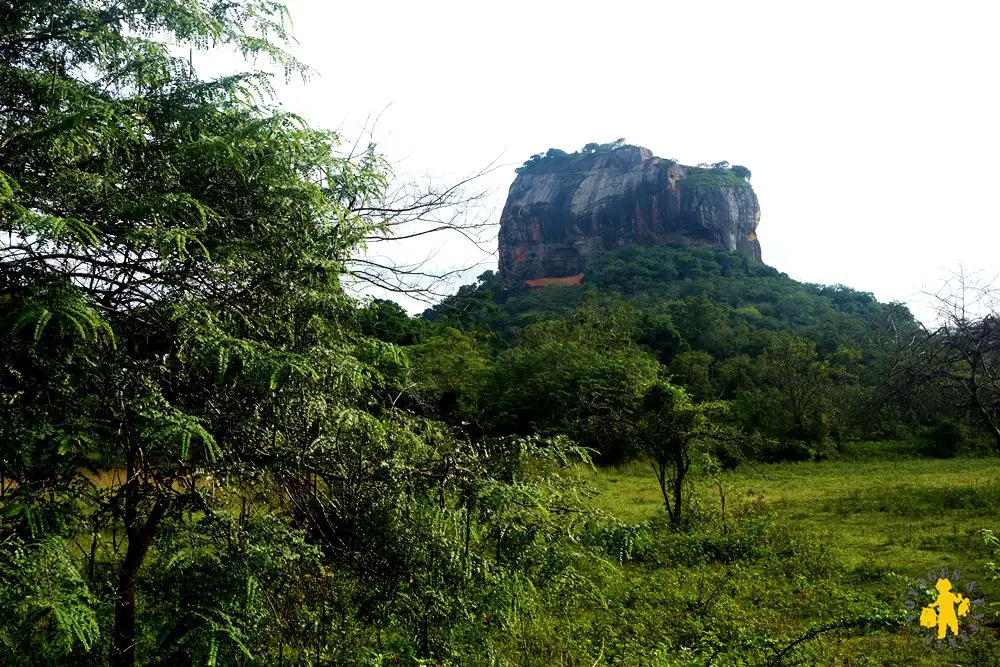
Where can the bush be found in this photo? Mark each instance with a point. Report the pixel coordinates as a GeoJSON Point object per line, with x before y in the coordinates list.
{"type": "Point", "coordinates": [741, 171]}
{"type": "Point", "coordinates": [948, 439]}
{"type": "Point", "coordinates": [777, 451]}
{"type": "Point", "coordinates": [943, 440]}
{"type": "Point", "coordinates": [540, 162]}
{"type": "Point", "coordinates": [707, 178]}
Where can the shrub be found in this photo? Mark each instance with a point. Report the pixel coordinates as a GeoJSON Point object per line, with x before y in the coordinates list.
{"type": "Point", "coordinates": [708, 178]}
{"type": "Point", "coordinates": [741, 171]}
{"type": "Point", "coordinates": [943, 440]}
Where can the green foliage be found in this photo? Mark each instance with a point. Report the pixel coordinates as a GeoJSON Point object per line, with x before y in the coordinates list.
{"type": "Point", "coordinates": [451, 372]}
{"type": "Point", "coordinates": [473, 306]}
{"type": "Point", "coordinates": [716, 176]}
{"type": "Point", "coordinates": [573, 376]}
{"type": "Point", "coordinates": [944, 439]}
{"type": "Point", "coordinates": [672, 429]}
{"type": "Point", "coordinates": [802, 365]}
{"type": "Point", "coordinates": [788, 397]}
{"type": "Point", "coordinates": [556, 158]}
{"type": "Point", "coordinates": [62, 307]}
{"type": "Point", "coordinates": [46, 608]}
{"type": "Point", "coordinates": [692, 370]}
{"type": "Point", "coordinates": [387, 321]}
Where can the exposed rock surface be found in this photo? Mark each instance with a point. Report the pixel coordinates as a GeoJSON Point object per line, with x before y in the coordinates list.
{"type": "Point", "coordinates": [561, 216]}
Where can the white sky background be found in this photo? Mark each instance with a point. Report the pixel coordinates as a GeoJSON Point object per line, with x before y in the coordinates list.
{"type": "Point", "coordinates": [871, 128]}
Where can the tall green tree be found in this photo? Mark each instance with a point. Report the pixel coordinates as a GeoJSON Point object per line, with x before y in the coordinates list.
{"type": "Point", "coordinates": [450, 373]}
{"type": "Point", "coordinates": [792, 388]}
{"type": "Point", "coordinates": [172, 262]}
{"type": "Point", "coordinates": [572, 376]}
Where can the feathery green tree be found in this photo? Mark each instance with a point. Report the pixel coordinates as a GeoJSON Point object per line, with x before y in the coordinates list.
{"type": "Point", "coordinates": [170, 274]}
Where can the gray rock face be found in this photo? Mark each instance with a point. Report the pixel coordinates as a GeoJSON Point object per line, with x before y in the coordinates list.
{"type": "Point", "coordinates": [562, 216]}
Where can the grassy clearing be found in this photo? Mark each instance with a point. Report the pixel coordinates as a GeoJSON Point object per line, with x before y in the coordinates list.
{"type": "Point", "coordinates": [906, 514]}
{"type": "Point", "coordinates": [838, 536]}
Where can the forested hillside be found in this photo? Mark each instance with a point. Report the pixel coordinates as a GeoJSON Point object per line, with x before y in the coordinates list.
{"type": "Point", "coordinates": [805, 367]}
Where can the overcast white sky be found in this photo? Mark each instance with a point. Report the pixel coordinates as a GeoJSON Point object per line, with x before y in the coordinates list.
{"type": "Point", "coordinates": [871, 127]}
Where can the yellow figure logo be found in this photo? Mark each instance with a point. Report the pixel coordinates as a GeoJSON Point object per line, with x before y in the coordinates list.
{"type": "Point", "coordinates": [942, 612]}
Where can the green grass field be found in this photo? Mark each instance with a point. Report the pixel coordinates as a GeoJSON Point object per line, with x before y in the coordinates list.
{"type": "Point", "coordinates": [838, 537]}
{"type": "Point", "coordinates": [905, 514]}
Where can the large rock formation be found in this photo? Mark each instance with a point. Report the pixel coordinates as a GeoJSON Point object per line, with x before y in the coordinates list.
{"type": "Point", "coordinates": [563, 214]}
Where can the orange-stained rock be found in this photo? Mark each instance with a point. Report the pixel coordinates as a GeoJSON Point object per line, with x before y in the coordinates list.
{"type": "Point", "coordinates": [566, 281]}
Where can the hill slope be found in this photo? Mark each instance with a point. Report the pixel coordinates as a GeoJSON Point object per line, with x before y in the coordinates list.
{"type": "Point", "coordinates": [801, 365]}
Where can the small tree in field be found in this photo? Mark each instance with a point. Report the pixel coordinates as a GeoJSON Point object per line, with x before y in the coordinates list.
{"type": "Point", "coordinates": [671, 428]}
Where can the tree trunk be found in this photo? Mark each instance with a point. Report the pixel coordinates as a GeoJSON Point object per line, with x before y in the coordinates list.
{"type": "Point", "coordinates": [123, 648]}
{"type": "Point", "coordinates": [95, 536]}
{"type": "Point", "coordinates": [660, 467]}
{"type": "Point", "coordinates": [140, 538]}
{"type": "Point", "coordinates": [679, 470]}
